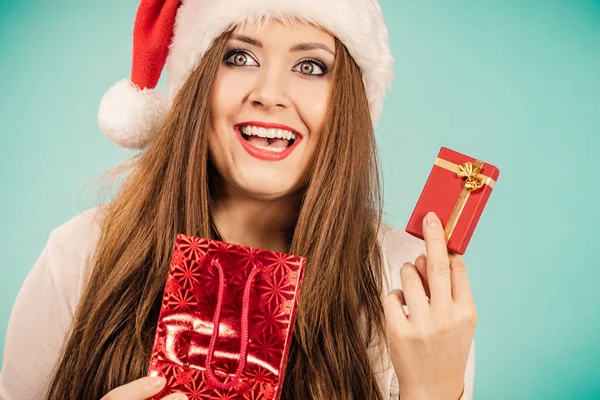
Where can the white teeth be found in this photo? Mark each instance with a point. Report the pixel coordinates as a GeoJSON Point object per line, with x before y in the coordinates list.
{"type": "Point", "coordinates": [280, 133]}
{"type": "Point", "coordinates": [267, 133]}
{"type": "Point", "coordinates": [273, 149]}
{"type": "Point", "coordinates": [262, 132]}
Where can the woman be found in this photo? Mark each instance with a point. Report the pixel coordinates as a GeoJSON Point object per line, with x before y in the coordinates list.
{"type": "Point", "coordinates": [267, 141]}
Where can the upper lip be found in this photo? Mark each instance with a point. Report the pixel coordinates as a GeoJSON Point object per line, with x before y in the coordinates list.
{"type": "Point", "coordinates": [270, 125]}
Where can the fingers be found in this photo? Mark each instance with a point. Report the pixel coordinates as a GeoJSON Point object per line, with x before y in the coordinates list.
{"type": "Point", "coordinates": [421, 264]}
{"type": "Point", "coordinates": [175, 396]}
{"type": "Point", "coordinates": [460, 285]}
{"type": "Point", "coordinates": [140, 389]}
{"type": "Point", "coordinates": [461, 288]}
{"type": "Point", "coordinates": [414, 293]}
{"type": "Point", "coordinates": [393, 308]}
{"type": "Point", "coordinates": [438, 264]}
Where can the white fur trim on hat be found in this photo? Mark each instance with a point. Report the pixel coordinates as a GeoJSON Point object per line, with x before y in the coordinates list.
{"type": "Point", "coordinates": [358, 24]}
{"type": "Point", "coordinates": [130, 116]}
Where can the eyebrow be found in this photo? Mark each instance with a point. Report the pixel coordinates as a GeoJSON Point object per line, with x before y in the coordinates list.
{"type": "Point", "coordinates": [311, 46]}
{"type": "Point", "coordinates": [247, 39]}
{"type": "Point", "coordinates": [296, 48]}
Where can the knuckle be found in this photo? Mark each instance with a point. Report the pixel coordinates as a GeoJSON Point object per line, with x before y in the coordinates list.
{"type": "Point", "coordinates": [423, 337]}
{"type": "Point", "coordinates": [473, 320]}
{"type": "Point", "coordinates": [407, 334]}
{"type": "Point", "coordinates": [437, 239]}
{"type": "Point", "coordinates": [470, 316]}
{"type": "Point", "coordinates": [458, 265]}
{"type": "Point", "coordinates": [454, 256]}
{"type": "Point", "coordinates": [444, 325]}
{"type": "Point", "coordinates": [467, 316]}
{"type": "Point", "coordinates": [439, 267]}
{"type": "Point", "coordinates": [395, 330]}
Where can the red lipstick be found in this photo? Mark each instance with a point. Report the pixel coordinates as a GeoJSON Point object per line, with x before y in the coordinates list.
{"type": "Point", "coordinates": [266, 154]}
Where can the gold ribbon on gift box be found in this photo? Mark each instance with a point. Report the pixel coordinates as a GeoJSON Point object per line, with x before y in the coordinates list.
{"type": "Point", "coordinates": [473, 181]}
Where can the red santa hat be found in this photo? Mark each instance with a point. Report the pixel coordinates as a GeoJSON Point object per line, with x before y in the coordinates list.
{"type": "Point", "coordinates": [178, 33]}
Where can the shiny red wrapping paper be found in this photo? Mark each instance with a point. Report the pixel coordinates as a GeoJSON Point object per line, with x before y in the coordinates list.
{"type": "Point", "coordinates": [442, 192]}
{"type": "Point", "coordinates": [251, 295]}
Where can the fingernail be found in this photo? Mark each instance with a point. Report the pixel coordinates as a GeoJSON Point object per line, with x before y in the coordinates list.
{"type": "Point", "coordinates": [180, 396]}
{"type": "Point", "coordinates": [158, 381]}
{"type": "Point", "coordinates": [432, 220]}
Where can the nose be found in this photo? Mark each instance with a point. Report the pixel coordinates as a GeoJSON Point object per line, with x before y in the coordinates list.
{"type": "Point", "coordinates": [269, 91]}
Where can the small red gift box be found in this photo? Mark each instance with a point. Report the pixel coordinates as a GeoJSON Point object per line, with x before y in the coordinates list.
{"type": "Point", "coordinates": [226, 320]}
{"type": "Point", "coordinates": [457, 190]}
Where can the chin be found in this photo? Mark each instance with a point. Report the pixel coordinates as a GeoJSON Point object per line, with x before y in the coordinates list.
{"type": "Point", "coordinates": [266, 185]}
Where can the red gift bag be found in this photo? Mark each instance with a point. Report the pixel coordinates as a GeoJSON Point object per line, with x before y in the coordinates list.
{"type": "Point", "coordinates": [226, 320]}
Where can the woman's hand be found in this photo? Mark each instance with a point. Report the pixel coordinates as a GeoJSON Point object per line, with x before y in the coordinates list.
{"type": "Point", "coordinates": [142, 389]}
{"type": "Point", "coordinates": [430, 344]}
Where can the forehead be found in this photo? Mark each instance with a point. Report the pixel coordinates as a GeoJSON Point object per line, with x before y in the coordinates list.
{"type": "Point", "coordinates": [284, 32]}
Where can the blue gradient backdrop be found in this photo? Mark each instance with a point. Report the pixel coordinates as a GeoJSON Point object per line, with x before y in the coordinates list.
{"type": "Point", "coordinates": [515, 83]}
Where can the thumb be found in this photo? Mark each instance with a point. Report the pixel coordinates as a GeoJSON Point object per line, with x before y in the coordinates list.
{"type": "Point", "coordinates": [139, 389]}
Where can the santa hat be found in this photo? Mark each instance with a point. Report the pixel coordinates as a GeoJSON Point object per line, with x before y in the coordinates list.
{"type": "Point", "coordinates": [179, 32]}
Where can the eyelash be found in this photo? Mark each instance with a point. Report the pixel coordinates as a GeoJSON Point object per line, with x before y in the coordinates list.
{"type": "Point", "coordinates": [315, 61]}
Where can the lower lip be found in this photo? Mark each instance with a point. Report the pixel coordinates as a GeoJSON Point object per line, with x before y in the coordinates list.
{"type": "Point", "coordinates": [265, 154]}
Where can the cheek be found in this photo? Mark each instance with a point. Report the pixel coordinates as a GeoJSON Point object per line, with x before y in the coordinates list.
{"type": "Point", "coordinates": [228, 94]}
{"type": "Point", "coordinates": [225, 104]}
{"type": "Point", "coordinates": [311, 100]}
{"type": "Point", "coordinates": [218, 117]}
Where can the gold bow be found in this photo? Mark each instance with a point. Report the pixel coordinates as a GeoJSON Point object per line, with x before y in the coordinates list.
{"type": "Point", "coordinates": [474, 180]}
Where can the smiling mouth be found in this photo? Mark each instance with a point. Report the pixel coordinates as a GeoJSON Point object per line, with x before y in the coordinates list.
{"type": "Point", "coordinates": [268, 139]}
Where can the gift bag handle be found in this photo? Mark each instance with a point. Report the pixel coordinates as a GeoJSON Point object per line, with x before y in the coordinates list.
{"type": "Point", "coordinates": [212, 379]}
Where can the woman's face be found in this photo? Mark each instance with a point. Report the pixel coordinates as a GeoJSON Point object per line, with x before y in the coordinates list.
{"type": "Point", "coordinates": [271, 93]}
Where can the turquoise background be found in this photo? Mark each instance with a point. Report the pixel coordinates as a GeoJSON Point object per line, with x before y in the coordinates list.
{"type": "Point", "coordinates": [514, 83]}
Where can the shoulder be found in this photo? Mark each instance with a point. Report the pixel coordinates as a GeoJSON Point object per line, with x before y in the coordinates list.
{"type": "Point", "coordinates": [64, 260]}
{"type": "Point", "coordinates": [45, 305]}
{"type": "Point", "coordinates": [397, 247]}
{"type": "Point", "coordinates": [77, 232]}
{"type": "Point", "coordinates": [71, 243]}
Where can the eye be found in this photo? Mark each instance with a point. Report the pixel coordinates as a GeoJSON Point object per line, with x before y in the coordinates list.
{"type": "Point", "coordinates": [238, 58]}
{"type": "Point", "coordinates": [312, 68]}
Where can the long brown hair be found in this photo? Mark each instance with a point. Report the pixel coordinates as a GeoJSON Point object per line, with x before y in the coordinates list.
{"type": "Point", "coordinates": [170, 190]}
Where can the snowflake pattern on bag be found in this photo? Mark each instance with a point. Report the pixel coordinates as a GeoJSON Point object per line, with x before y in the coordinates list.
{"type": "Point", "coordinates": [186, 322]}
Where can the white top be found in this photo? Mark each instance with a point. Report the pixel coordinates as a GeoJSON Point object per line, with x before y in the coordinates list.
{"type": "Point", "coordinates": [47, 300]}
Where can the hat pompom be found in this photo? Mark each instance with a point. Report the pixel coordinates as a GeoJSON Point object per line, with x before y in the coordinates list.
{"type": "Point", "coordinates": [130, 116]}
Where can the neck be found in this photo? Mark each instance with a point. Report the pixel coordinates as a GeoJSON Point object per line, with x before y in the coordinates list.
{"type": "Point", "coordinates": [247, 221]}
